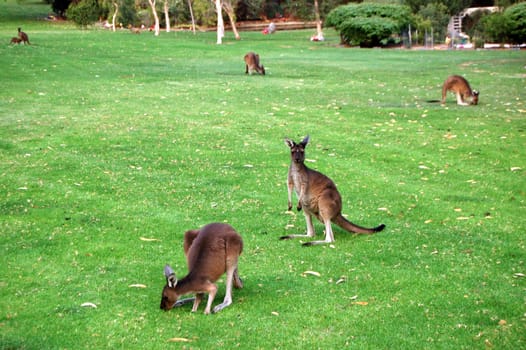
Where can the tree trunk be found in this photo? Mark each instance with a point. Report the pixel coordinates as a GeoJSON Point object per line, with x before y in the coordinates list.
{"type": "Point", "coordinates": [114, 15]}
{"type": "Point", "coordinates": [191, 15]}
{"type": "Point", "coordinates": [231, 16]}
{"type": "Point", "coordinates": [318, 20]}
{"type": "Point", "coordinates": [155, 16]}
{"type": "Point", "coordinates": [166, 16]}
{"type": "Point", "coordinates": [220, 24]}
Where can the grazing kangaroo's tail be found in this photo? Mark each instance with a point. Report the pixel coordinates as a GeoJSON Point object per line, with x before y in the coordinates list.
{"type": "Point", "coordinates": [349, 226]}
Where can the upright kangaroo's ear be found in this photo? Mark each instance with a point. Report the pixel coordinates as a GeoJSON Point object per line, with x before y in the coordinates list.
{"type": "Point", "coordinates": [171, 279]}
{"type": "Point", "coordinates": [289, 142]}
{"type": "Point", "coordinates": [305, 141]}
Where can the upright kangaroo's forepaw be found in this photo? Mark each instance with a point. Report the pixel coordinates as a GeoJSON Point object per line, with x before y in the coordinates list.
{"type": "Point", "coordinates": [299, 207]}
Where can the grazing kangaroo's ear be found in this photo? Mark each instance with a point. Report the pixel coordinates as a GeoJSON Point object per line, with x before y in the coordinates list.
{"type": "Point", "coordinates": [476, 93]}
{"type": "Point", "coordinates": [289, 143]}
{"type": "Point", "coordinates": [305, 141]}
{"type": "Point", "coordinates": [169, 273]}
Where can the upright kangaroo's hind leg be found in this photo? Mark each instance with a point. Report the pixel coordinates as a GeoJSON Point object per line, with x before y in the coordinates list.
{"type": "Point", "coordinates": [310, 229]}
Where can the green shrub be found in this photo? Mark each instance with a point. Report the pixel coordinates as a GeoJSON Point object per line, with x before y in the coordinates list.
{"type": "Point", "coordinates": [368, 24]}
{"type": "Point", "coordinates": [368, 31]}
{"type": "Point", "coordinates": [516, 16]}
{"type": "Point", "coordinates": [84, 13]}
{"type": "Point", "coordinates": [495, 27]}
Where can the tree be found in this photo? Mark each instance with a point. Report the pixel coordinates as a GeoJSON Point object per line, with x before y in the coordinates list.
{"type": "Point", "coordinates": [453, 7]}
{"type": "Point", "coordinates": [516, 15]}
{"type": "Point", "coordinates": [229, 9]}
{"type": "Point", "coordinates": [220, 24]}
{"type": "Point", "coordinates": [436, 15]}
{"type": "Point", "coordinates": [191, 15]}
{"type": "Point", "coordinates": [155, 17]}
{"type": "Point", "coordinates": [115, 13]}
{"type": "Point", "coordinates": [495, 28]}
{"type": "Point", "coordinates": [319, 33]}
{"type": "Point", "coordinates": [166, 15]}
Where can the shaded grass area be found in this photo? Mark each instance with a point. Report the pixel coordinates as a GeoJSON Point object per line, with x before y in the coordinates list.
{"type": "Point", "coordinates": [110, 138]}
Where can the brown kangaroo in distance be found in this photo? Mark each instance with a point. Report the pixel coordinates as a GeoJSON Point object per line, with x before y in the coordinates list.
{"type": "Point", "coordinates": [460, 86]}
{"type": "Point", "coordinates": [15, 40]}
{"type": "Point", "coordinates": [252, 64]}
{"type": "Point", "coordinates": [318, 196]}
{"type": "Point", "coordinates": [210, 251]}
{"type": "Point", "coordinates": [23, 36]}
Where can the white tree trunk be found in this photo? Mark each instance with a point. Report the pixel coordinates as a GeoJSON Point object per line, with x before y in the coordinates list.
{"type": "Point", "coordinates": [155, 16]}
{"type": "Point", "coordinates": [227, 5]}
{"type": "Point", "coordinates": [220, 24]}
{"type": "Point", "coordinates": [191, 15]}
{"type": "Point", "coordinates": [114, 15]}
{"type": "Point", "coordinates": [318, 20]}
{"type": "Point", "coordinates": [167, 15]}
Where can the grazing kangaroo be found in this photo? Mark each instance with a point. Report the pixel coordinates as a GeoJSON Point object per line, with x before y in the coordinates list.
{"type": "Point", "coordinates": [210, 251]}
{"type": "Point", "coordinates": [252, 64]}
{"type": "Point", "coordinates": [460, 86]}
{"type": "Point", "coordinates": [23, 36]}
{"type": "Point", "coordinates": [15, 40]}
{"type": "Point", "coordinates": [318, 196]}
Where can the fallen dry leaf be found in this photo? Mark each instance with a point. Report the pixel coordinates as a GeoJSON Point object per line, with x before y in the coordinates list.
{"type": "Point", "coordinates": [183, 340]}
{"type": "Point", "coordinates": [89, 305]}
{"type": "Point", "coordinates": [362, 303]}
{"type": "Point", "coordinates": [149, 239]}
{"type": "Point", "coordinates": [137, 285]}
{"type": "Point", "coordinates": [312, 273]}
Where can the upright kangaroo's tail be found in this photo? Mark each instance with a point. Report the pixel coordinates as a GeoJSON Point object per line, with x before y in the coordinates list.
{"type": "Point", "coordinates": [349, 226]}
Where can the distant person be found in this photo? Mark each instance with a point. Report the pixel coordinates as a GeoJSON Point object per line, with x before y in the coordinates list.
{"type": "Point", "coordinates": [271, 29]}
{"type": "Point", "coordinates": [448, 41]}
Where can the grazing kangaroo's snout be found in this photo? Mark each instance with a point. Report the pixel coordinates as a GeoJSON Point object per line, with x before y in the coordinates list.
{"type": "Point", "coordinates": [210, 252]}
{"type": "Point", "coordinates": [460, 86]}
{"type": "Point", "coordinates": [169, 295]}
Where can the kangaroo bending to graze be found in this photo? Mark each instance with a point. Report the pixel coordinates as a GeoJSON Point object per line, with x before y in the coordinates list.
{"type": "Point", "coordinates": [318, 196]}
{"type": "Point", "coordinates": [460, 86]}
{"type": "Point", "coordinates": [210, 251]}
{"type": "Point", "coordinates": [23, 36]}
{"type": "Point", "coordinates": [15, 40]}
{"type": "Point", "coordinates": [252, 64]}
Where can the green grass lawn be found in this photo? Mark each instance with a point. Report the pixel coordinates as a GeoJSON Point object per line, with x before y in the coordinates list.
{"type": "Point", "coordinates": [112, 145]}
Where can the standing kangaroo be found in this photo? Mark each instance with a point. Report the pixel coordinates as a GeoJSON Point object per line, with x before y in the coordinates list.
{"type": "Point", "coordinates": [252, 64]}
{"type": "Point", "coordinates": [210, 251]}
{"type": "Point", "coordinates": [460, 86]}
{"type": "Point", "coordinates": [318, 196]}
{"type": "Point", "coordinates": [23, 36]}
